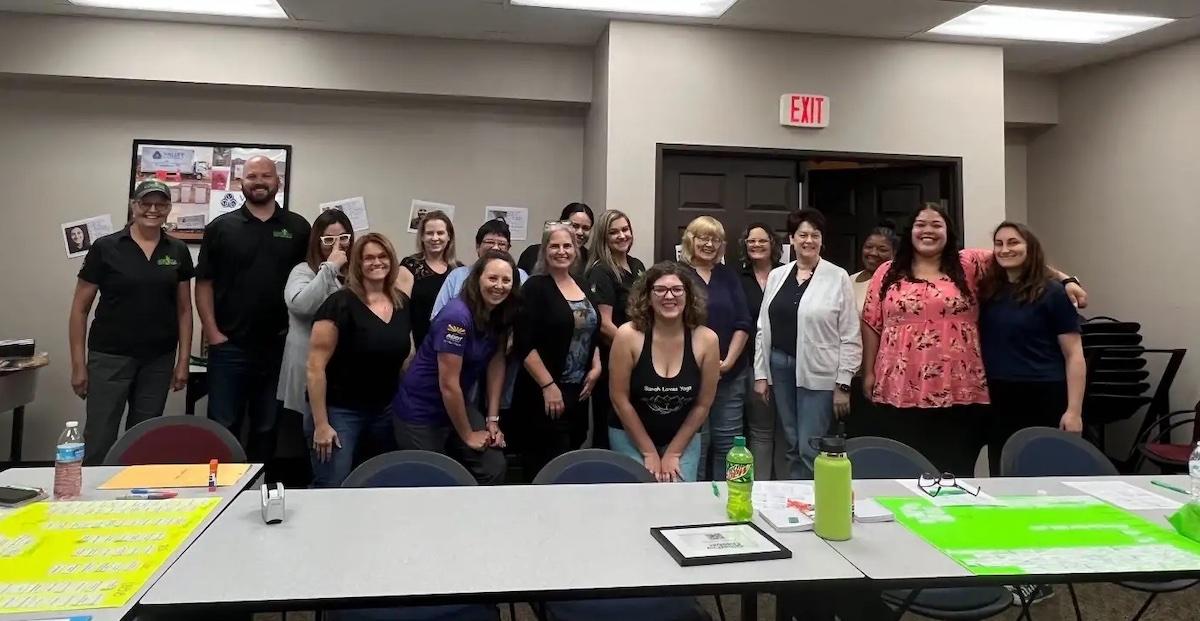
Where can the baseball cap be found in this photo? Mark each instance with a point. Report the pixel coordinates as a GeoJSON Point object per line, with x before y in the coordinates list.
{"type": "Point", "coordinates": [149, 186]}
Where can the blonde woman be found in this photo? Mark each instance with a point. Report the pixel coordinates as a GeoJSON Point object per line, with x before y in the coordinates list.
{"type": "Point", "coordinates": [428, 267]}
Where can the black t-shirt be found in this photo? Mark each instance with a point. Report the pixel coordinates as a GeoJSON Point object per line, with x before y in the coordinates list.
{"type": "Point", "coordinates": [1020, 341]}
{"type": "Point", "coordinates": [782, 313]}
{"type": "Point", "coordinates": [138, 311]}
{"type": "Point", "coordinates": [754, 300]}
{"type": "Point", "coordinates": [613, 289]}
{"type": "Point", "coordinates": [248, 261]}
{"type": "Point", "coordinates": [364, 371]}
{"type": "Point", "coordinates": [426, 285]}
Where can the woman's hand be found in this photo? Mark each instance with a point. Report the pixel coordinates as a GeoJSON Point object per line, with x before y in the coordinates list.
{"type": "Point", "coordinates": [79, 381]}
{"type": "Point", "coordinates": [669, 469]}
{"type": "Point", "coordinates": [1078, 296]}
{"type": "Point", "coordinates": [179, 379]}
{"type": "Point", "coordinates": [589, 383]}
{"type": "Point", "coordinates": [841, 403]}
{"type": "Point", "coordinates": [324, 439]}
{"type": "Point", "coordinates": [726, 365]}
{"type": "Point", "coordinates": [497, 436]}
{"type": "Point", "coordinates": [653, 464]}
{"type": "Point", "coordinates": [477, 440]}
{"type": "Point", "coordinates": [553, 399]}
{"type": "Point", "coordinates": [868, 385]}
{"type": "Point", "coordinates": [1071, 422]}
{"type": "Point", "coordinates": [337, 256]}
{"type": "Point", "coordinates": [763, 390]}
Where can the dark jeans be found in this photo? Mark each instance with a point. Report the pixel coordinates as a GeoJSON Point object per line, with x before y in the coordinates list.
{"type": "Point", "coordinates": [488, 466]}
{"type": "Point", "coordinates": [949, 437]}
{"type": "Point", "coordinates": [550, 437]}
{"type": "Point", "coordinates": [1017, 405]}
{"type": "Point", "coordinates": [117, 381]}
{"type": "Point", "coordinates": [242, 383]}
{"type": "Point", "coordinates": [362, 434]}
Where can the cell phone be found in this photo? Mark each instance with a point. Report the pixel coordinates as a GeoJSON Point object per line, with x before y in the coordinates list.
{"type": "Point", "coordinates": [14, 496]}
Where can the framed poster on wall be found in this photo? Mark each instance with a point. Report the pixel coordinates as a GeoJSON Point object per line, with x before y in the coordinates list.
{"type": "Point", "coordinates": [205, 178]}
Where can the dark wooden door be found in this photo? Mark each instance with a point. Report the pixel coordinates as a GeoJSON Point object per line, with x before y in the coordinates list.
{"type": "Point", "coordinates": [854, 201]}
{"type": "Point", "coordinates": [734, 190]}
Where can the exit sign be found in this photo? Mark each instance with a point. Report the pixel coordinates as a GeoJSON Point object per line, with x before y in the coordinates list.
{"type": "Point", "coordinates": [801, 110]}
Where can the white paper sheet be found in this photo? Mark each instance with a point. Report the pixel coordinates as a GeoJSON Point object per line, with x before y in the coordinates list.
{"type": "Point", "coordinates": [1124, 495]}
{"type": "Point", "coordinates": [701, 542]}
{"type": "Point", "coordinates": [419, 208]}
{"type": "Point", "coordinates": [355, 208]}
{"type": "Point", "coordinates": [78, 236]}
{"type": "Point", "coordinates": [517, 219]}
{"type": "Point", "coordinates": [776, 494]}
{"type": "Point", "coordinates": [951, 497]}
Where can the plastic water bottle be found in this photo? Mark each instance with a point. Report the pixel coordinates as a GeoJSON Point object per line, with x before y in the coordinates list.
{"type": "Point", "coordinates": [68, 463]}
{"type": "Point", "coordinates": [1194, 472]}
{"type": "Point", "coordinates": [832, 489]}
{"type": "Point", "coordinates": [739, 478]}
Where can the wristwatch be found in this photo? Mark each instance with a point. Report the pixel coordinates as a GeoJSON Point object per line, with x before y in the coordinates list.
{"type": "Point", "coordinates": [843, 387]}
{"type": "Point", "coordinates": [1069, 280]}
{"type": "Point", "coordinates": [493, 419]}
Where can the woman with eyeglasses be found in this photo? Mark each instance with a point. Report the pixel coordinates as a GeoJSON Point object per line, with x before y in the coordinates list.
{"type": "Point", "coordinates": [761, 252]}
{"type": "Point", "coordinates": [141, 336]}
{"type": "Point", "coordinates": [427, 269]}
{"type": "Point", "coordinates": [728, 316]}
{"type": "Point", "coordinates": [663, 374]}
{"type": "Point", "coordinates": [580, 218]}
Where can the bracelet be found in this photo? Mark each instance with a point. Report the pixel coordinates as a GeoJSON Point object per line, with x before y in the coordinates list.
{"type": "Point", "coordinates": [548, 384]}
{"type": "Point", "coordinates": [493, 419]}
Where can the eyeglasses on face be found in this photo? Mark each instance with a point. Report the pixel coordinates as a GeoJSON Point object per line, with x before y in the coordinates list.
{"type": "Point", "coordinates": [329, 240]}
{"type": "Point", "coordinates": [675, 292]}
{"type": "Point", "coordinates": [933, 484]}
{"type": "Point", "coordinates": [707, 240]}
{"type": "Point", "coordinates": [154, 205]}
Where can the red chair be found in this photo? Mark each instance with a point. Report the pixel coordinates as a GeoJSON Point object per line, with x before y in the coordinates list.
{"type": "Point", "coordinates": [175, 440]}
{"type": "Point", "coordinates": [1154, 443]}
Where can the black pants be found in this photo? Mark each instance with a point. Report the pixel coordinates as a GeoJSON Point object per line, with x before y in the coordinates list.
{"type": "Point", "coordinates": [949, 437]}
{"type": "Point", "coordinates": [547, 437]}
{"type": "Point", "coordinates": [1017, 405]}
{"type": "Point", "coordinates": [488, 466]}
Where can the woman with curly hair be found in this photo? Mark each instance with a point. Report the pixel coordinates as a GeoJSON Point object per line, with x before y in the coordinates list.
{"type": "Point", "coordinates": [664, 370]}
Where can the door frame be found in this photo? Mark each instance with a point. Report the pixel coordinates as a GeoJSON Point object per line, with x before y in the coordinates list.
{"type": "Point", "coordinates": [952, 163]}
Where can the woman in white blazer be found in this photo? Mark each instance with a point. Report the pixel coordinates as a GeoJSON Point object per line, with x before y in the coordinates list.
{"type": "Point", "coordinates": [807, 346]}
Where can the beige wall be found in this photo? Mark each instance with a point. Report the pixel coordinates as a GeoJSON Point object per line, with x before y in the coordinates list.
{"type": "Point", "coordinates": [67, 152]}
{"type": "Point", "coordinates": [1030, 99]}
{"type": "Point", "coordinates": [595, 140]}
{"type": "Point", "coordinates": [1111, 191]}
{"type": "Point", "coordinates": [1015, 166]}
{"type": "Point", "coordinates": [695, 85]}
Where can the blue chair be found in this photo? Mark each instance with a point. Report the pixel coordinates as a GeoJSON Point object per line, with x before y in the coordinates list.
{"type": "Point", "coordinates": [587, 466]}
{"type": "Point", "coordinates": [413, 469]}
{"type": "Point", "coordinates": [883, 458]}
{"type": "Point", "coordinates": [1048, 452]}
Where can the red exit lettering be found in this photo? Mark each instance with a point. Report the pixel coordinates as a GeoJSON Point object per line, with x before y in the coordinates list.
{"type": "Point", "coordinates": [801, 110]}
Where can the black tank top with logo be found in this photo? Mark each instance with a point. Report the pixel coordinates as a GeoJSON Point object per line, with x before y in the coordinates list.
{"type": "Point", "coordinates": [662, 403]}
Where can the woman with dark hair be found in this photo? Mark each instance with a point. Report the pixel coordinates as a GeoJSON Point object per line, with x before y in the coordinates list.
{"type": "Point", "coordinates": [321, 274]}
{"type": "Point", "coordinates": [761, 252]}
{"type": "Point", "coordinates": [663, 374]}
{"type": "Point", "coordinates": [1032, 350]}
{"type": "Point", "coordinates": [581, 218]}
{"type": "Point", "coordinates": [610, 274]}
{"type": "Point", "coordinates": [878, 247]}
{"type": "Point", "coordinates": [808, 346]}
{"type": "Point", "coordinates": [466, 344]}
{"type": "Point", "coordinates": [556, 341]}
{"type": "Point", "coordinates": [360, 339]}
{"type": "Point", "coordinates": [922, 363]}
{"type": "Point", "coordinates": [436, 256]}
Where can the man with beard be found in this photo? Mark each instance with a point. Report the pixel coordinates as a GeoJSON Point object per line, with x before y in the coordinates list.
{"type": "Point", "coordinates": [245, 260]}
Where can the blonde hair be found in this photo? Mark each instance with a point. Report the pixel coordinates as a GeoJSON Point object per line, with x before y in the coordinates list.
{"type": "Point", "coordinates": [551, 229]}
{"type": "Point", "coordinates": [355, 276]}
{"type": "Point", "coordinates": [704, 226]}
{"type": "Point", "coordinates": [601, 254]}
{"type": "Point", "coordinates": [450, 253]}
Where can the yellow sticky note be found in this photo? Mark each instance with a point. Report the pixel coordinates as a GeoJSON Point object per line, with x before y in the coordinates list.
{"type": "Point", "coordinates": [174, 475]}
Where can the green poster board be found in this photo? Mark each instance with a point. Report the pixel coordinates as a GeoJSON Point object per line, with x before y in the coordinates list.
{"type": "Point", "coordinates": [1046, 535]}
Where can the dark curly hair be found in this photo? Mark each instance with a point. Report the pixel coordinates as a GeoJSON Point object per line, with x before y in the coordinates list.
{"type": "Point", "coordinates": [695, 308]}
{"type": "Point", "coordinates": [901, 267]}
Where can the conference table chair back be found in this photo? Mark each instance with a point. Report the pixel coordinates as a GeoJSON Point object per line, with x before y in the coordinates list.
{"type": "Point", "coordinates": [872, 457]}
{"type": "Point", "coordinates": [409, 469]}
{"type": "Point", "coordinates": [175, 440]}
{"type": "Point", "coordinates": [592, 466]}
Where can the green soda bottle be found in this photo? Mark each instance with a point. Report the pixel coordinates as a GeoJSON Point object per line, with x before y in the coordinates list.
{"type": "Point", "coordinates": [739, 479]}
{"type": "Point", "coordinates": [831, 487]}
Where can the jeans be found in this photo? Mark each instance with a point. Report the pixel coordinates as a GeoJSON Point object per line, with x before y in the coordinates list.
{"type": "Point", "coordinates": [761, 422]}
{"type": "Point", "coordinates": [243, 382]}
{"type": "Point", "coordinates": [488, 466]}
{"type": "Point", "coordinates": [689, 462]}
{"type": "Point", "coordinates": [723, 423]}
{"type": "Point", "coordinates": [804, 414]}
{"type": "Point", "coordinates": [362, 434]}
{"type": "Point", "coordinates": [114, 382]}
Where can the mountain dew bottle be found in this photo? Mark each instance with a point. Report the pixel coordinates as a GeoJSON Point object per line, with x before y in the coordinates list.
{"type": "Point", "coordinates": [739, 478]}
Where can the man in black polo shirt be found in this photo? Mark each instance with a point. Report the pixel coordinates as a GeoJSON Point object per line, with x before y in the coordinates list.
{"type": "Point", "coordinates": [245, 260]}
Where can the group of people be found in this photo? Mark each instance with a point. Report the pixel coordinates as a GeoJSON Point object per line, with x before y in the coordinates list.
{"type": "Point", "coordinates": [377, 351]}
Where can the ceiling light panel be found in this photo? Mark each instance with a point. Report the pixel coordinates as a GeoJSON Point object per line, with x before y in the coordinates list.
{"type": "Point", "coordinates": [675, 8]}
{"type": "Point", "coordinates": [1011, 22]}
{"type": "Point", "coordinates": [268, 9]}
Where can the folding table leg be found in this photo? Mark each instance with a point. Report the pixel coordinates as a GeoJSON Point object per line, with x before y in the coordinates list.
{"type": "Point", "coordinates": [1145, 606]}
{"type": "Point", "coordinates": [1075, 602]}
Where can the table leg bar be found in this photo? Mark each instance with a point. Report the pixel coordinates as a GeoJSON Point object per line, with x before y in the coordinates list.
{"type": "Point", "coordinates": [18, 432]}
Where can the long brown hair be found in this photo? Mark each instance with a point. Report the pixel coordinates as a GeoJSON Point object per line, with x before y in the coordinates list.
{"type": "Point", "coordinates": [901, 267]}
{"type": "Point", "coordinates": [450, 253]}
{"type": "Point", "coordinates": [1031, 282]}
{"type": "Point", "coordinates": [354, 281]}
{"type": "Point", "coordinates": [498, 321]}
{"type": "Point", "coordinates": [314, 257]}
{"type": "Point", "coordinates": [641, 313]}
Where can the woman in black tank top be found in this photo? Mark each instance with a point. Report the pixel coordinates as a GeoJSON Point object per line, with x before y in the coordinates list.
{"type": "Point", "coordinates": [661, 401]}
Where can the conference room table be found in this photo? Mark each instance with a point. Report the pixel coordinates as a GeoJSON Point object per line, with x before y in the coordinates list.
{"type": "Point", "coordinates": [93, 478]}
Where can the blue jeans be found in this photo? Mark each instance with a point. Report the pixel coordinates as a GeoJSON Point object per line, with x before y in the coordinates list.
{"type": "Point", "coordinates": [804, 414]}
{"type": "Point", "coordinates": [689, 462]}
{"type": "Point", "coordinates": [242, 383]}
{"type": "Point", "coordinates": [355, 429]}
{"type": "Point", "coordinates": [723, 423]}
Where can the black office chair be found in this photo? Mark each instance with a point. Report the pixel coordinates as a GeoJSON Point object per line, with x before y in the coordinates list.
{"type": "Point", "coordinates": [592, 466]}
{"type": "Point", "coordinates": [1042, 452]}
{"type": "Point", "coordinates": [883, 458]}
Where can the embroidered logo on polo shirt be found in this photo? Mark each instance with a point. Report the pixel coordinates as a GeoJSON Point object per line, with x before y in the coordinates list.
{"type": "Point", "coordinates": [455, 334]}
{"type": "Point", "coordinates": [167, 261]}
{"type": "Point", "coordinates": [283, 234]}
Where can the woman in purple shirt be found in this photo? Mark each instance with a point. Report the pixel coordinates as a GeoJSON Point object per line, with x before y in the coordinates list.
{"type": "Point", "coordinates": [430, 409]}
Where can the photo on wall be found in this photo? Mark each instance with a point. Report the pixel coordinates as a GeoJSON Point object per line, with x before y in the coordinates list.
{"type": "Point", "coordinates": [205, 178]}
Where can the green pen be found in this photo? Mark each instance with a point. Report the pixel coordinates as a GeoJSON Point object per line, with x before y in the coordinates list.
{"type": "Point", "coordinates": [1171, 487]}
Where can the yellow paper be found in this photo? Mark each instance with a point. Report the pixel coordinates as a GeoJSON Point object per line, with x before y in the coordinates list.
{"type": "Point", "coordinates": [174, 475]}
{"type": "Point", "coordinates": [57, 556]}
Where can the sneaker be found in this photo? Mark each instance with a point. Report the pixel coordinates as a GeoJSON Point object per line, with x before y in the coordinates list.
{"type": "Point", "coordinates": [1031, 593]}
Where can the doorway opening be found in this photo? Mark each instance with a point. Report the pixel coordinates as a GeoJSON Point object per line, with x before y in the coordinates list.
{"type": "Point", "coordinates": [740, 185]}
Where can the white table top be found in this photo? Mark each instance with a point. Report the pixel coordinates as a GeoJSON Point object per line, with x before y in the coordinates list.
{"type": "Point", "coordinates": [556, 540]}
{"type": "Point", "coordinates": [93, 477]}
{"type": "Point", "coordinates": [889, 551]}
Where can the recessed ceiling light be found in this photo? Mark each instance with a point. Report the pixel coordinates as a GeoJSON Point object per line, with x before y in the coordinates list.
{"type": "Point", "coordinates": [1011, 22]}
{"type": "Point", "coordinates": [238, 8]}
{"type": "Point", "coordinates": [678, 8]}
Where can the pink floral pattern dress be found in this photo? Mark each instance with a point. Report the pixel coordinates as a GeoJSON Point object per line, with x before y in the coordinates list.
{"type": "Point", "coordinates": [929, 353]}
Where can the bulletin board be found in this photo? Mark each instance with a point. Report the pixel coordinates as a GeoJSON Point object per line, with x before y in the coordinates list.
{"type": "Point", "coordinates": [205, 178]}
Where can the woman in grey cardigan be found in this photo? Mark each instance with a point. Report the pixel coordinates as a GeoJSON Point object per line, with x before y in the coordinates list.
{"type": "Point", "coordinates": [807, 346]}
{"type": "Point", "coordinates": [321, 274]}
